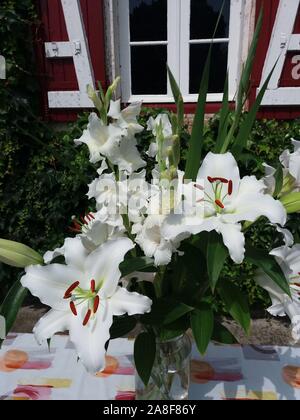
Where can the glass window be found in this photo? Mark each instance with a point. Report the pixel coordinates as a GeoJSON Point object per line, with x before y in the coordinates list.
{"type": "Point", "coordinates": [153, 33]}
{"type": "Point", "coordinates": [148, 70]}
{"type": "Point", "coordinates": [204, 17]}
{"type": "Point", "coordinates": [148, 20]}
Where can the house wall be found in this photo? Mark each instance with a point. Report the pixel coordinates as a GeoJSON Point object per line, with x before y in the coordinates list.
{"type": "Point", "coordinates": [99, 24]}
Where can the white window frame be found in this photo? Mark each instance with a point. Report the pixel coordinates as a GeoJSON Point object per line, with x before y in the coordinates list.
{"type": "Point", "coordinates": [178, 35]}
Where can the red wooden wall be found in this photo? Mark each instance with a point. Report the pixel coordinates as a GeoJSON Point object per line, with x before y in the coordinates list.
{"type": "Point", "coordinates": [59, 74]}
{"type": "Point", "coordinates": [285, 112]}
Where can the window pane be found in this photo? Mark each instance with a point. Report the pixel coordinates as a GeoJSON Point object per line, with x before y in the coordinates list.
{"type": "Point", "coordinates": [148, 20]}
{"type": "Point", "coordinates": [198, 55]}
{"type": "Point", "coordinates": [148, 70]}
{"type": "Point", "coordinates": [204, 17]}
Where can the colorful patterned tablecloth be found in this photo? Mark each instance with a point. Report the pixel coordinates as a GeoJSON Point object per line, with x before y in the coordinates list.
{"type": "Point", "coordinates": [28, 371]}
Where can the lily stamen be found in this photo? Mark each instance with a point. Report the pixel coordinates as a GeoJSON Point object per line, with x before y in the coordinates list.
{"type": "Point", "coordinates": [230, 188]}
{"type": "Point", "coordinates": [69, 291]}
{"type": "Point", "coordinates": [96, 304]}
{"type": "Point", "coordinates": [87, 318]}
{"type": "Point", "coordinates": [220, 204]}
{"type": "Point", "coordinates": [73, 308]}
{"type": "Point", "coordinates": [93, 286]}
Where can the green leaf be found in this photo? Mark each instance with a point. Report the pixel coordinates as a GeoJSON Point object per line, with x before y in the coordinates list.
{"type": "Point", "coordinates": [136, 264]}
{"type": "Point", "coordinates": [18, 255]}
{"type": "Point", "coordinates": [165, 311]}
{"type": "Point", "coordinates": [224, 119]}
{"type": "Point", "coordinates": [261, 259]}
{"type": "Point", "coordinates": [217, 254]}
{"type": "Point", "coordinates": [122, 326]}
{"type": "Point", "coordinates": [202, 322]}
{"type": "Point", "coordinates": [176, 310]}
{"type": "Point", "coordinates": [175, 329]}
{"type": "Point", "coordinates": [178, 100]}
{"type": "Point", "coordinates": [144, 355]}
{"type": "Point", "coordinates": [244, 85]}
{"type": "Point", "coordinates": [197, 137]}
{"type": "Point", "coordinates": [246, 126]}
{"type": "Point", "coordinates": [12, 304]}
{"type": "Point", "coordinates": [278, 180]}
{"type": "Point", "coordinates": [222, 335]}
{"type": "Point", "coordinates": [236, 303]}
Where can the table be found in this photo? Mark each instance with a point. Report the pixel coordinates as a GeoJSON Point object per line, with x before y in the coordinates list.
{"type": "Point", "coordinates": [32, 372]}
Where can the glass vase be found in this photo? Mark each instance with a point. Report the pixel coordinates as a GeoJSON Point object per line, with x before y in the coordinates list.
{"type": "Point", "coordinates": [170, 378]}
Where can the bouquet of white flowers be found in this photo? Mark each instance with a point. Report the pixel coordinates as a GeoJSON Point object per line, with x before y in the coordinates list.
{"type": "Point", "coordinates": [153, 250]}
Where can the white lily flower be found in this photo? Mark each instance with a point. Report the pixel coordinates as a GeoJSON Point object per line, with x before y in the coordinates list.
{"type": "Point", "coordinates": [138, 276]}
{"type": "Point", "coordinates": [126, 119]}
{"type": "Point", "coordinates": [228, 201]}
{"type": "Point", "coordinates": [92, 233]}
{"type": "Point", "coordinates": [291, 171]}
{"type": "Point", "coordinates": [291, 162]}
{"type": "Point", "coordinates": [282, 304]}
{"type": "Point", "coordinates": [100, 139]}
{"type": "Point", "coordinates": [70, 247]}
{"type": "Point", "coordinates": [84, 296]}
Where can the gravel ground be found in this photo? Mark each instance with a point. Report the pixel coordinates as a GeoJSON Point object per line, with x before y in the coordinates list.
{"type": "Point", "coordinates": [263, 331]}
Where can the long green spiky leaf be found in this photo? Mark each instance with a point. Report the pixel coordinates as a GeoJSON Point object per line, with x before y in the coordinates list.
{"type": "Point", "coordinates": [224, 119]}
{"type": "Point", "coordinates": [247, 125]}
{"type": "Point", "coordinates": [243, 89]}
{"type": "Point", "coordinates": [197, 138]}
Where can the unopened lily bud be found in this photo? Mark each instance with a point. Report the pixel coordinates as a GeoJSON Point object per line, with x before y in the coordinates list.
{"type": "Point", "coordinates": [18, 255]}
{"type": "Point", "coordinates": [291, 202]}
{"type": "Point", "coordinates": [92, 94]}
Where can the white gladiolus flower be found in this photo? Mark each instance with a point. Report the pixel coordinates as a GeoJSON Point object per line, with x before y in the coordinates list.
{"type": "Point", "coordinates": [126, 155]}
{"type": "Point", "coordinates": [228, 201]}
{"type": "Point", "coordinates": [108, 193]}
{"type": "Point", "coordinates": [161, 121]}
{"type": "Point", "coordinates": [153, 243]}
{"type": "Point", "coordinates": [100, 138]}
{"type": "Point", "coordinates": [84, 296]}
{"type": "Point", "coordinates": [126, 119]}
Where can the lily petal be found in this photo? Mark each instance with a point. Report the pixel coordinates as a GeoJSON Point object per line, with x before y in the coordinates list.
{"type": "Point", "coordinates": [90, 340]}
{"type": "Point", "coordinates": [234, 240]}
{"type": "Point", "coordinates": [103, 264]}
{"type": "Point", "coordinates": [50, 324]}
{"type": "Point", "coordinates": [219, 166]}
{"type": "Point", "coordinates": [49, 283]}
{"type": "Point", "coordinates": [124, 302]}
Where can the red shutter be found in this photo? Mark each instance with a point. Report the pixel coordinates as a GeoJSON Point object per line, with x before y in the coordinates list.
{"type": "Point", "coordinates": [270, 8]}
{"type": "Point", "coordinates": [59, 74]}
